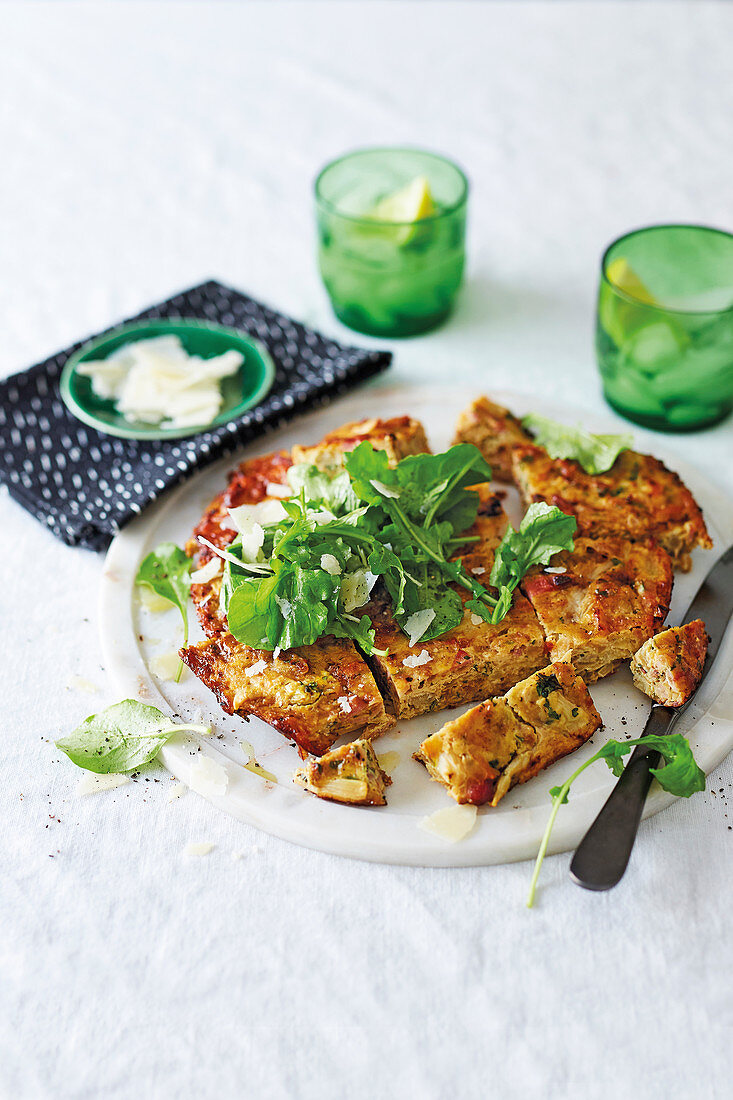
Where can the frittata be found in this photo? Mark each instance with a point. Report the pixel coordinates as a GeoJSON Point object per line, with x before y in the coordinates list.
{"type": "Point", "coordinates": [504, 741]}
{"type": "Point", "coordinates": [313, 694]}
{"type": "Point", "coordinates": [637, 499]}
{"type": "Point", "coordinates": [669, 666]}
{"type": "Point", "coordinates": [600, 601]}
{"type": "Point", "coordinates": [495, 431]}
{"type": "Point", "coordinates": [352, 773]}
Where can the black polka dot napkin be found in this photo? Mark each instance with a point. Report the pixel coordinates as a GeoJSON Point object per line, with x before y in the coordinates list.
{"type": "Point", "coordinates": [84, 485]}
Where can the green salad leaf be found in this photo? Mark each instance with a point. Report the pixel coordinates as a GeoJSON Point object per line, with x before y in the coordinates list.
{"type": "Point", "coordinates": [121, 738]}
{"type": "Point", "coordinates": [681, 775]}
{"type": "Point", "coordinates": [405, 524]}
{"type": "Point", "coordinates": [543, 532]}
{"type": "Point", "coordinates": [166, 570]}
{"type": "Point", "coordinates": [595, 453]}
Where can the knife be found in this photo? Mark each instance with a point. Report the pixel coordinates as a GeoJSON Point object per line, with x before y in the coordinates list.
{"type": "Point", "coordinates": [603, 854]}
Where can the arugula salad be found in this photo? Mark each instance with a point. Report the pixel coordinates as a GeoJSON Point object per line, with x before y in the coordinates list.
{"type": "Point", "coordinates": [309, 570]}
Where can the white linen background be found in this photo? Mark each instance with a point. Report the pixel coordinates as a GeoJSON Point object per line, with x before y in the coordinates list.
{"type": "Point", "coordinates": [144, 148]}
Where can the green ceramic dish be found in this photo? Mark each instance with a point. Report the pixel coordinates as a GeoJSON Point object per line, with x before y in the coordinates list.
{"type": "Point", "coordinates": [240, 391]}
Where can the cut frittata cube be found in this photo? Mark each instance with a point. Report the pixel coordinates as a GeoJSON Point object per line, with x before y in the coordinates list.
{"type": "Point", "coordinates": [669, 666]}
{"type": "Point", "coordinates": [505, 741]}
{"type": "Point", "coordinates": [350, 773]}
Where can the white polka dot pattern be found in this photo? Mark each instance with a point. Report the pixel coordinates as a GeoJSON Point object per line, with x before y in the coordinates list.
{"type": "Point", "coordinates": [84, 485]}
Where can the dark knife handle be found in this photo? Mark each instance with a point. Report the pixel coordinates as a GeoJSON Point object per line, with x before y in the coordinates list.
{"type": "Point", "coordinates": [603, 855]}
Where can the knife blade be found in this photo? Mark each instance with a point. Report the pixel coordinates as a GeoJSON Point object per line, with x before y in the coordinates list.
{"type": "Point", "coordinates": [603, 854]}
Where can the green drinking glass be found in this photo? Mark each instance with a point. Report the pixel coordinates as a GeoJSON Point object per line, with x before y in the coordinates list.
{"type": "Point", "coordinates": [391, 238]}
{"type": "Point", "coordinates": [664, 328]}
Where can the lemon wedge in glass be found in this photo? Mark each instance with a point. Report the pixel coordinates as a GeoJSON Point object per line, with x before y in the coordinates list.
{"type": "Point", "coordinates": [621, 274]}
{"type": "Point", "coordinates": [406, 207]}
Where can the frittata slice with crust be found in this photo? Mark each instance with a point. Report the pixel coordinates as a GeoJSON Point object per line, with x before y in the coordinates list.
{"type": "Point", "coordinates": [399, 437]}
{"type": "Point", "coordinates": [313, 694]}
{"type": "Point", "coordinates": [600, 601]}
{"type": "Point", "coordinates": [351, 774]}
{"type": "Point", "coordinates": [469, 662]}
{"type": "Point", "coordinates": [669, 666]}
{"type": "Point", "coordinates": [474, 659]}
{"type": "Point", "coordinates": [495, 431]}
{"type": "Point", "coordinates": [502, 742]}
{"type": "Point", "coordinates": [637, 499]}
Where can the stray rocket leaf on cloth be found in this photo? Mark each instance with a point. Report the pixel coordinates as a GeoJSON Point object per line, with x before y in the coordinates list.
{"type": "Point", "coordinates": [595, 453]}
{"type": "Point", "coordinates": [121, 738]}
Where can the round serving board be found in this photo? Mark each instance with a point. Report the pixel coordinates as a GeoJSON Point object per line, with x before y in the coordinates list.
{"type": "Point", "coordinates": [132, 635]}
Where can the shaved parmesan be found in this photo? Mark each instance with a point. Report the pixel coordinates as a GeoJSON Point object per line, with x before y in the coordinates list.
{"type": "Point", "coordinates": [207, 572]}
{"type": "Point", "coordinates": [416, 625]}
{"type": "Point", "coordinates": [388, 761]}
{"type": "Point", "coordinates": [80, 683]}
{"type": "Point", "coordinates": [256, 668]}
{"type": "Point", "coordinates": [199, 848]}
{"type": "Point", "coordinates": [285, 606]}
{"type": "Point", "coordinates": [383, 489]}
{"type": "Point", "coordinates": [91, 783]}
{"type": "Point", "coordinates": [478, 570]}
{"type": "Point", "coordinates": [344, 704]}
{"type": "Point", "coordinates": [275, 489]}
{"type": "Point", "coordinates": [208, 778]}
{"type": "Point", "coordinates": [331, 564]}
{"type": "Point", "coordinates": [476, 619]}
{"type": "Point", "coordinates": [157, 381]}
{"type": "Point", "coordinates": [152, 601]}
{"type": "Point", "coordinates": [253, 766]}
{"type": "Point", "coordinates": [356, 588]}
{"type": "Point", "coordinates": [452, 823]}
{"type": "Point", "coordinates": [178, 790]}
{"type": "Point", "coordinates": [555, 569]}
{"type": "Point", "coordinates": [165, 666]}
{"type": "Point", "coordinates": [415, 660]}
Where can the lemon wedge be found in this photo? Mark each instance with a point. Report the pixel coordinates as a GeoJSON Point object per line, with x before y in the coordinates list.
{"type": "Point", "coordinates": [411, 203]}
{"type": "Point", "coordinates": [622, 275]}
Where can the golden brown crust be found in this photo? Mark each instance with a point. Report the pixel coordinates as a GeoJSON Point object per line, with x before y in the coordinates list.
{"type": "Point", "coordinates": [637, 499]}
{"type": "Point", "coordinates": [313, 694]}
{"type": "Point", "coordinates": [351, 774]}
{"type": "Point", "coordinates": [399, 437]}
{"type": "Point", "coordinates": [501, 742]}
{"type": "Point", "coordinates": [611, 597]}
{"type": "Point", "coordinates": [669, 666]}
{"type": "Point", "coordinates": [495, 431]}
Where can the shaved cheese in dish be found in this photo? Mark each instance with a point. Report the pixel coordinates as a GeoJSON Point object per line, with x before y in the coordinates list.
{"type": "Point", "coordinates": [179, 789]}
{"type": "Point", "coordinates": [330, 564]}
{"type": "Point", "coordinates": [158, 382]}
{"type": "Point", "coordinates": [92, 782]}
{"type": "Point", "coordinates": [80, 683]}
{"type": "Point", "coordinates": [275, 489]}
{"type": "Point", "coordinates": [452, 823]}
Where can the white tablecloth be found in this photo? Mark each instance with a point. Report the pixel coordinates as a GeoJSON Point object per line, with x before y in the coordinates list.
{"type": "Point", "coordinates": [145, 147]}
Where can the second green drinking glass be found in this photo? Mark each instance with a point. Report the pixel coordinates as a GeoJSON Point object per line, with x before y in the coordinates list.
{"type": "Point", "coordinates": [664, 332]}
{"type": "Point", "coordinates": [391, 237]}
